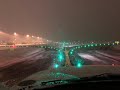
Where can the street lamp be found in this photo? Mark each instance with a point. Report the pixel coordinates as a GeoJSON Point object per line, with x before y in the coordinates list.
{"type": "Point", "coordinates": [15, 34]}
{"type": "Point", "coordinates": [38, 37]}
{"type": "Point", "coordinates": [27, 36]}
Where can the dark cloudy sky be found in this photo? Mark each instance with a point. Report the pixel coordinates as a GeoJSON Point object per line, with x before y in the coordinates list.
{"type": "Point", "coordinates": [62, 19]}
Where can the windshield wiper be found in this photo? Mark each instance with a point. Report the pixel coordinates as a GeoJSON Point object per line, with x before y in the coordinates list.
{"type": "Point", "coordinates": [100, 77]}
{"type": "Point", "coordinates": [96, 78]}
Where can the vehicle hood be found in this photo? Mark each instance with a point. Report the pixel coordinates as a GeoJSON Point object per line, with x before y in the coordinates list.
{"type": "Point", "coordinates": [64, 73]}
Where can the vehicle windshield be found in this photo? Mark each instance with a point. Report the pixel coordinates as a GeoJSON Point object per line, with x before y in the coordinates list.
{"type": "Point", "coordinates": [58, 39]}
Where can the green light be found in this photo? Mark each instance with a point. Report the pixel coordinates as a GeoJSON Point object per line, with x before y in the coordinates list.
{"type": "Point", "coordinates": [88, 45]}
{"type": "Point", "coordinates": [71, 52]}
{"type": "Point", "coordinates": [95, 44]}
{"type": "Point", "coordinates": [85, 46]}
{"type": "Point", "coordinates": [79, 47]}
{"type": "Point", "coordinates": [58, 50]}
{"type": "Point", "coordinates": [60, 57]}
{"type": "Point", "coordinates": [56, 66]}
{"type": "Point", "coordinates": [92, 45]}
{"type": "Point", "coordinates": [100, 44]}
{"type": "Point", "coordinates": [79, 65]}
{"type": "Point", "coordinates": [104, 44]}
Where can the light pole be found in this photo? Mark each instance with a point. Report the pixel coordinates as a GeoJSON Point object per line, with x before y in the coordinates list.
{"type": "Point", "coordinates": [27, 36]}
{"type": "Point", "coordinates": [15, 34]}
{"type": "Point", "coordinates": [38, 37]}
{"type": "Point", "coordinates": [38, 40]}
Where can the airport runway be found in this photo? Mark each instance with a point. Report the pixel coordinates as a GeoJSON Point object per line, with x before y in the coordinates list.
{"type": "Point", "coordinates": [22, 62]}
{"type": "Point", "coordinates": [100, 57]}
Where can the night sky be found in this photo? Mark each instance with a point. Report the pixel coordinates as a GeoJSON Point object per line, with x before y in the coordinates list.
{"type": "Point", "coordinates": [83, 20]}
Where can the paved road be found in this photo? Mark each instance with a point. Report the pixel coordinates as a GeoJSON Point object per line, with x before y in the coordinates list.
{"type": "Point", "coordinates": [19, 64]}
